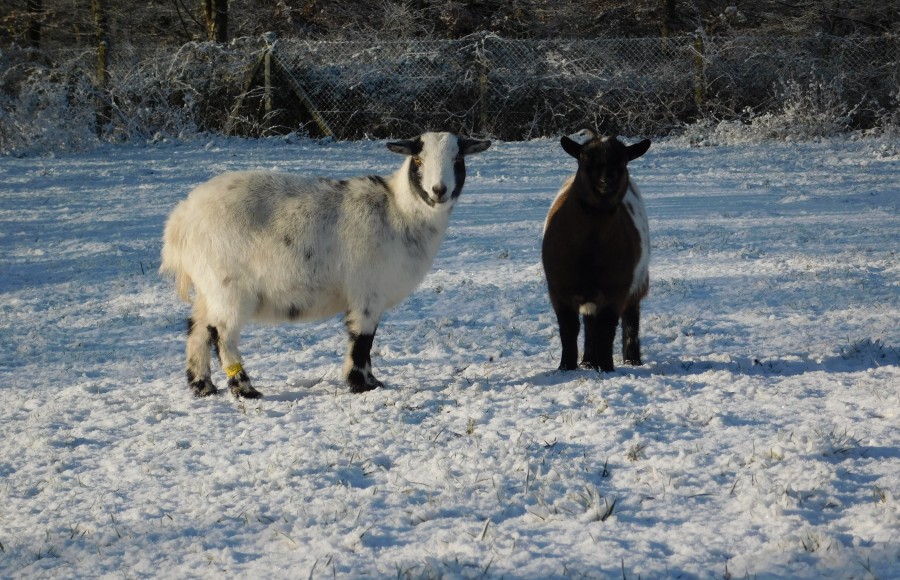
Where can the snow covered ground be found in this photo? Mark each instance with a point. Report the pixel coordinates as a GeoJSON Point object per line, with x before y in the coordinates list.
{"type": "Point", "coordinates": [761, 439]}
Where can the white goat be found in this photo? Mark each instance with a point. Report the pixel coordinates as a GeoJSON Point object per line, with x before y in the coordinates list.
{"type": "Point", "coordinates": [273, 247]}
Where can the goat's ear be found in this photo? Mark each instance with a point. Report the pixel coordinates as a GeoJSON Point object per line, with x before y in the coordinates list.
{"type": "Point", "coordinates": [406, 147]}
{"type": "Point", "coordinates": [470, 146]}
{"type": "Point", "coordinates": [571, 147]}
{"type": "Point", "coordinates": [638, 149]}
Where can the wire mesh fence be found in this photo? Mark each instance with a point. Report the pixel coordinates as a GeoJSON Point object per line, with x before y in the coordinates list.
{"type": "Point", "coordinates": [512, 89]}
{"type": "Point", "coordinates": [482, 84]}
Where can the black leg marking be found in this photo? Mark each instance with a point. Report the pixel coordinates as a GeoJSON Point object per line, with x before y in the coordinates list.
{"type": "Point", "coordinates": [240, 386]}
{"type": "Point", "coordinates": [631, 342]}
{"type": "Point", "coordinates": [202, 387]}
{"type": "Point", "coordinates": [214, 341]}
{"type": "Point", "coordinates": [360, 376]}
{"type": "Point", "coordinates": [569, 326]}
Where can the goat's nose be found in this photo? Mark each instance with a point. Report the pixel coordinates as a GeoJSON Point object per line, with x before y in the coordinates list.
{"type": "Point", "coordinates": [439, 190]}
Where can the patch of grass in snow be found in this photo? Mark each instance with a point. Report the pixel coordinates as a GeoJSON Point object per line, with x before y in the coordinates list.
{"type": "Point", "coordinates": [868, 352]}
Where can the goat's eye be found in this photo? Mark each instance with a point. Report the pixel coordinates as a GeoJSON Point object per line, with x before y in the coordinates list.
{"type": "Point", "coordinates": [417, 161]}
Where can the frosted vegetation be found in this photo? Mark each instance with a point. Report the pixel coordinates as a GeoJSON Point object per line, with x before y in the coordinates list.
{"type": "Point", "coordinates": [759, 439]}
{"type": "Point", "coordinates": [743, 89]}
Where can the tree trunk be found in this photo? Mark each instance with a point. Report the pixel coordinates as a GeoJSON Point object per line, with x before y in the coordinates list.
{"type": "Point", "coordinates": [36, 14]}
{"type": "Point", "coordinates": [216, 14]}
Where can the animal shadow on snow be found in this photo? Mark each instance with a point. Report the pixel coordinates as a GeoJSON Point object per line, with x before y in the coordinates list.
{"type": "Point", "coordinates": [854, 357]}
{"type": "Point", "coordinates": [847, 358]}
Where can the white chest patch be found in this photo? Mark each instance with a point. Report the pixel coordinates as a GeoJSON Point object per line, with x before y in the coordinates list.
{"type": "Point", "coordinates": [635, 205]}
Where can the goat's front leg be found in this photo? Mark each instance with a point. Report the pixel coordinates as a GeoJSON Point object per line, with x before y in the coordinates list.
{"type": "Point", "coordinates": [361, 328]}
{"type": "Point", "coordinates": [569, 326]}
{"type": "Point", "coordinates": [599, 334]}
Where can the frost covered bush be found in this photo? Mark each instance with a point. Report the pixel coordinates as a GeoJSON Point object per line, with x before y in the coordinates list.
{"type": "Point", "coordinates": [54, 102]}
{"type": "Point", "coordinates": [44, 108]}
{"type": "Point", "coordinates": [802, 111]}
{"type": "Point", "coordinates": [816, 108]}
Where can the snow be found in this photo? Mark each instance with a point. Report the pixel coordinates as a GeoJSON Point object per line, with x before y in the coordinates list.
{"type": "Point", "coordinates": [760, 439]}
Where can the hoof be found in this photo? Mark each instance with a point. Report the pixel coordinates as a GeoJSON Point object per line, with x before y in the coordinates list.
{"type": "Point", "coordinates": [362, 383]}
{"type": "Point", "coordinates": [634, 362]}
{"type": "Point", "coordinates": [567, 366]}
{"type": "Point", "coordinates": [239, 384]}
{"type": "Point", "coordinates": [245, 392]}
{"type": "Point", "coordinates": [203, 388]}
{"type": "Point", "coordinates": [597, 367]}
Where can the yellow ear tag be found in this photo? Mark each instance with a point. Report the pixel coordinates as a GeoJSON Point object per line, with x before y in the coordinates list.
{"type": "Point", "coordinates": [232, 370]}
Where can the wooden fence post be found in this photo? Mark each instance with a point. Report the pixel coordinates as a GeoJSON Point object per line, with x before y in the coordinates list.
{"type": "Point", "coordinates": [267, 73]}
{"type": "Point", "coordinates": [699, 73]}
{"type": "Point", "coordinates": [483, 84]}
{"type": "Point", "coordinates": [104, 108]}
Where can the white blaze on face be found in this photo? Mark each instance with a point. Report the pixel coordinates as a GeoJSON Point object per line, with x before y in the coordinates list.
{"type": "Point", "coordinates": [439, 152]}
{"type": "Point", "coordinates": [583, 136]}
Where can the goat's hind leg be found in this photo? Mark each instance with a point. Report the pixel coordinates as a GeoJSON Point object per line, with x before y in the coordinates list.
{"type": "Point", "coordinates": [631, 342]}
{"type": "Point", "coordinates": [199, 343]}
{"type": "Point", "coordinates": [226, 336]}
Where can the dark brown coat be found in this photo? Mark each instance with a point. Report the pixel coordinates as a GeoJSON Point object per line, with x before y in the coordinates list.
{"type": "Point", "coordinates": [596, 253]}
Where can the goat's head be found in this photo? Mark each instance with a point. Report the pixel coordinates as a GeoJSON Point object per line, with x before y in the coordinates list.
{"type": "Point", "coordinates": [436, 164]}
{"type": "Point", "coordinates": [602, 176]}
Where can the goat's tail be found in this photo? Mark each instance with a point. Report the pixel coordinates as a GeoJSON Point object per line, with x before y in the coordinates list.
{"type": "Point", "coordinates": [172, 252]}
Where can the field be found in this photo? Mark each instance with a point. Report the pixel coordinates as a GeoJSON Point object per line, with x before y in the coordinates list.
{"type": "Point", "coordinates": [760, 439]}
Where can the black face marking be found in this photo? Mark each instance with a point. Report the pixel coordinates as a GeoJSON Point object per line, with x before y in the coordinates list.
{"type": "Point", "coordinates": [416, 145]}
{"type": "Point", "coordinates": [459, 173]}
{"type": "Point", "coordinates": [415, 181]}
